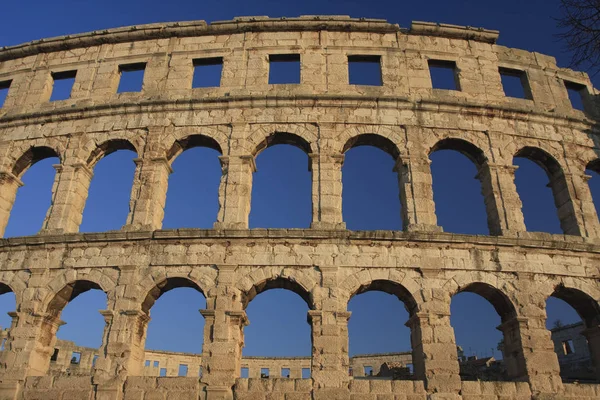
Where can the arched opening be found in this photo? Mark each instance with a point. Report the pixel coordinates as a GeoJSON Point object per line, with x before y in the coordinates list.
{"type": "Point", "coordinates": [478, 312]}
{"type": "Point", "coordinates": [8, 304]}
{"type": "Point", "coordinates": [77, 325]}
{"type": "Point", "coordinates": [175, 333]}
{"type": "Point", "coordinates": [36, 171]}
{"type": "Point", "coordinates": [107, 205]}
{"type": "Point", "coordinates": [458, 187]}
{"type": "Point", "coordinates": [593, 171]}
{"type": "Point", "coordinates": [193, 193]}
{"type": "Point", "coordinates": [541, 187]}
{"type": "Point", "coordinates": [370, 184]}
{"type": "Point", "coordinates": [573, 319]}
{"type": "Point", "coordinates": [380, 343]}
{"type": "Point", "coordinates": [282, 187]}
{"type": "Point", "coordinates": [277, 341]}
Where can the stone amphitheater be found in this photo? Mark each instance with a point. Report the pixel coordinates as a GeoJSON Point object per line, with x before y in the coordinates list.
{"type": "Point", "coordinates": [324, 115]}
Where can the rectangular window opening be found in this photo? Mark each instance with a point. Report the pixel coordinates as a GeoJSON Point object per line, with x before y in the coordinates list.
{"type": "Point", "coordinates": [364, 70]}
{"type": "Point", "coordinates": [3, 344]}
{"type": "Point", "coordinates": [264, 372]}
{"type": "Point", "coordinates": [62, 85]}
{"type": "Point", "coordinates": [515, 83]}
{"type": "Point", "coordinates": [54, 355]}
{"type": "Point", "coordinates": [163, 372]}
{"type": "Point", "coordinates": [207, 72]}
{"type": "Point", "coordinates": [132, 77]}
{"type": "Point", "coordinates": [183, 370]}
{"type": "Point", "coordinates": [368, 371]}
{"type": "Point", "coordinates": [350, 372]}
{"type": "Point", "coordinates": [95, 359]}
{"type": "Point", "coordinates": [306, 373]}
{"type": "Point", "coordinates": [410, 368]}
{"type": "Point", "coordinates": [156, 364]}
{"type": "Point", "coordinates": [75, 357]}
{"type": "Point", "coordinates": [4, 86]}
{"type": "Point", "coordinates": [284, 69]}
{"type": "Point", "coordinates": [568, 347]}
{"type": "Point", "coordinates": [285, 372]}
{"type": "Point", "coordinates": [200, 371]}
{"type": "Point", "coordinates": [147, 363]}
{"type": "Point", "coordinates": [577, 93]}
{"type": "Point", "coordinates": [444, 75]}
{"type": "Point", "coordinates": [245, 373]}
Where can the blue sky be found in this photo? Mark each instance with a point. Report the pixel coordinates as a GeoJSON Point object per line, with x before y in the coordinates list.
{"type": "Point", "coordinates": [281, 192]}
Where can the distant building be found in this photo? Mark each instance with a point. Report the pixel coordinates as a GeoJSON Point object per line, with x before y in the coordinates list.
{"type": "Point", "coordinates": [573, 352]}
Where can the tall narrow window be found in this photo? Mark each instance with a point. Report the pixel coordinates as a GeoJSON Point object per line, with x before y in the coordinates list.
{"type": "Point", "coordinates": [364, 70]}
{"type": "Point", "coordinates": [132, 77]}
{"type": "Point", "coordinates": [183, 370]}
{"type": "Point", "coordinates": [4, 86]}
{"type": "Point", "coordinates": [207, 72]}
{"type": "Point", "coordinates": [245, 373]}
{"type": "Point", "coordinates": [284, 68]}
{"type": "Point", "coordinates": [515, 83]}
{"type": "Point", "coordinates": [577, 93]}
{"type": "Point", "coordinates": [444, 75]}
{"type": "Point", "coordinates": [62, 85]}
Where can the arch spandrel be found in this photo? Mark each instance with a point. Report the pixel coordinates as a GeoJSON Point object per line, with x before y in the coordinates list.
{"type": "Point", "coordinates": [388, 280]}
{"type": "Point", "coordinates": [258, 280]}
{"type": "Point", "coordinates": [177, 140]}
{"type": "Point", "coordinates": [392, 140]}
{"type": "Point", "coordinates": [261, 136]}
{"type": "Point", "coordinates": [15, 282]}
{"type": "Point", "coordinates": [30, 152]}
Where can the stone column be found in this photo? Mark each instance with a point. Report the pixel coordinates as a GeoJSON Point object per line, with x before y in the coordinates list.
{"type": "Point", "coordinates": [592, 335]}
{"type": "Point", "coordinates": [502, 201]}
{"type": "Point", "coordinates": [9, 184]}
{"type": "Point", "coordinates": [69, 194]}
{"type": "Point", "coordinates": [223, 337]}
{"type": "Point", "coordinates": [327, 191]}
{"type": "Point", "coordinates": [149, 194]}
{"type": "Point", "coordinates": [416, 194]}
{"type": "Point", "coordinates": [572, 198]}
{"type": "Point", "coordinates": [529, 354]}
{"type": "Point", "coordinates": [434, 354]}
{"type": "Point", "coordinates": [330, 361]}
{"type": "Point", "coordinates": [235, 191]}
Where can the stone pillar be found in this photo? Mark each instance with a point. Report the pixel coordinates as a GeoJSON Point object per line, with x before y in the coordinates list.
{"type": "Point", "coordinates": [29, 346]}
{"type": "Point", "coordinates": [572, 198]}
{"type": "Point", "coordinates": [416, 194]}
{"type": "Point", "coordinates": [235, 191]}
{"type": "Point", "coordinates": [330, 361]}
{"type": "Point", "coordinates": [149, 194]}
{"type": "Point", "coordinates": [9, 184]}
{"type": "Point", "coordinates": [327, 191]}
{"type": "Point", "coordinates": [592, 335]}
{"type": "Point", "coordinates": [529, 354]}
{"type": "Point", "coordinates": [434, 354]}
{"type": "Point", "coordinates": [69, 194]}
{"type": "Point", "coordinates": [502, 201]}
{"type": "Point", "coordinates": [223, 337]}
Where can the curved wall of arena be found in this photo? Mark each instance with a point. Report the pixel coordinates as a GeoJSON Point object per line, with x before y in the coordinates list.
{"type": "Point", "coordinates": [324, 115]}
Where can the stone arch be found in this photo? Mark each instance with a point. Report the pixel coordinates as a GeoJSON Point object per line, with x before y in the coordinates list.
{"type": "Point", "coordinates": [14, 282]}
{"type": "Point", "coordinates": [380, 136]}
{"type": "Point", "coordinates": [68, 293]}
{"type": "Point", "coordinates": [382, 279]}
{"type": "Point", "coordinates": [547, 161]}
{"type": "Point", "coordinates": [158, 281]}
{"type": "Point", "coordinates": [94, 278]}
{"type": "Point", "coordinates": [297, 135]}
{"type": "Point", "coordinates": [31, 156]}
{"type": "Point", "coordinates": [586, 306]}
{"type": "Point", "coordinates": [108, 147]}
{"type": "Point", "coordinates": [466, 148]}
{"type": "Point", "coordinates": [259, 281]}
{"type": "Point", "coordinates": [181, 139]}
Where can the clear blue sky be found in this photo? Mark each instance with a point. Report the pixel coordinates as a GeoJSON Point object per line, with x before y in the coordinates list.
{"type": "Point", "coordinates": [281, 193]}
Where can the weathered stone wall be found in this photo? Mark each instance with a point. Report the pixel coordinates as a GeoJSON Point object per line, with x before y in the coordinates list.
{"type": "Point", "coordinates": [326, 265]}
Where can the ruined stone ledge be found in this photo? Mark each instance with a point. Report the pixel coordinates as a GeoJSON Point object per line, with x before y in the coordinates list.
{"type": "Point", "coordinates": [540, 240]}
{"type": "Point", "coordinates": [197, 28]}
{"type": "Point", "coordinates": [77, 110]}
{"type": "Point", "coordinates": [454, 31]}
